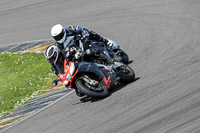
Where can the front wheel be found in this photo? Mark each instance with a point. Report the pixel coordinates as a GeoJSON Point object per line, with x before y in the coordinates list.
{"type": "Point", "coordinates": [126, 73]}
{"type": "Point", "coordinates": [99, 90]}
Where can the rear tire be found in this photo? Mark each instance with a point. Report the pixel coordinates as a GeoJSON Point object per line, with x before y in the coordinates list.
{"type": "Point", "coordinates": [92, 93]}
{"type": "Point", "coordinates": [121, 56]}
{"type": "Point", "coordinates": [125, 58]}
{"type": "Point", "coordinates": [126, 73]}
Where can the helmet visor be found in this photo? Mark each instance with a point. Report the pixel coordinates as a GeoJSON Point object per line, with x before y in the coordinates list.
{"type": "Point", "coordinates": [59, 36]}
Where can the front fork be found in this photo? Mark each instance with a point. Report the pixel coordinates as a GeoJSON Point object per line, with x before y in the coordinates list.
{"type": "Point", "coordinates": [89, 81]}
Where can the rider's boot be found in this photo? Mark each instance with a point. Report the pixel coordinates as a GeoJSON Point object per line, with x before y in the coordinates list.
{"type": "Point", "coordinates": [112, 45]}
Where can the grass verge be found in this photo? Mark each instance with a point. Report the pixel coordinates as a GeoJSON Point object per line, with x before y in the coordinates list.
{"type": "Point", "coordinates": [22, 76]}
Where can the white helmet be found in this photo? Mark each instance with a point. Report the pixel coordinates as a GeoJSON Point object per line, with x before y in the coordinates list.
{"type": "Point", "coordinates": [58, 33]}
{"type": "Point", "coordinates": [51, 54]}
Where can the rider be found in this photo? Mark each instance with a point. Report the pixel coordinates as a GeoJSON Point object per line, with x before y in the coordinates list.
{"type": "Point", "coordinates": [60, 35]}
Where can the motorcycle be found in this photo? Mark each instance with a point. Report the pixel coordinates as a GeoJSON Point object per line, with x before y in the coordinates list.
{"type": "Point", "coordinates": [115, 52]}
{"type": "Point", "coordinates": [93, 79]}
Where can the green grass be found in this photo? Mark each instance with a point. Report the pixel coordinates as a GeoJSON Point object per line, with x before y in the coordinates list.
{"type": "Point", "coordinates": [22, 76]}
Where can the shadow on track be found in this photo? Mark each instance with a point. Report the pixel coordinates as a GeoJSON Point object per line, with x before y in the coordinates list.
{"type": "Point", "coordinates": [86, 99]}
{"type": "Point", "coordinates": [114, 89]}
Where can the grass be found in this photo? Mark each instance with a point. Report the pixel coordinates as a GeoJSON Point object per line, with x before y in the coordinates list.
{"type": "Point", "coordinates": [22, 76]}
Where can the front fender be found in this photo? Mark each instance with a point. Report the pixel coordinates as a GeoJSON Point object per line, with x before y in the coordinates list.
{"type": "Point", "coordinates": [94, 69]}
{"type": "Point", "coordinates": [85, 67]}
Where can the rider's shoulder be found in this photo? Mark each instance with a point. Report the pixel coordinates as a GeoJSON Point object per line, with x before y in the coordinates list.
{"type": "Point", "coordinates": [72, 27]}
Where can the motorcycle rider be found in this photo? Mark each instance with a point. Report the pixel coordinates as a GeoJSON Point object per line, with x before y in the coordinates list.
{"type": "Point", "coordinates": [60, 35]}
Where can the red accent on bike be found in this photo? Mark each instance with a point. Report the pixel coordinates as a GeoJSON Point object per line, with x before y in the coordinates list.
{"type": "Point", "coordinates": [71, 81]}
{"type": "Point", "coordinates": [89, 65]}
{"type": "Point", "coordinates": [67, 65]}
{"type": "Point", "coordinates": [107, 81]}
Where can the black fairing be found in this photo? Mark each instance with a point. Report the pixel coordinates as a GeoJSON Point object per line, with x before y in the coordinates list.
{"type": "Point", "coordinates": [98, 45]}
{"type": "Point", "coordinates": [85, 67]}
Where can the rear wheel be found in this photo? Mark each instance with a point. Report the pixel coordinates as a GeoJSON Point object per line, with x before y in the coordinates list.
{"type": "Point", "coordinates": [121, 56]}
{"type": "Point", "coordinates": [97, 90]}
{"type": "Point", "coordinates": [126, 73]}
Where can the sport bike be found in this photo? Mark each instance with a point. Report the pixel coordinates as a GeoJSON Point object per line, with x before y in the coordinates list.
{"type": "Point", "coordinates": [93, 79]}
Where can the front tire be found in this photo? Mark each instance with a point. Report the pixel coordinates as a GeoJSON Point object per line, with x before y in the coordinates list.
{"type": "Point", "coordinates": [81, 85]}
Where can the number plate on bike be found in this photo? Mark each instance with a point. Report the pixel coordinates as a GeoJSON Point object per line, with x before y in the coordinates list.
{"type": "Point", "coordinates": [66, 68]}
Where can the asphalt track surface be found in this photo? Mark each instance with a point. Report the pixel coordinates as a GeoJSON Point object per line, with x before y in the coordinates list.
{"type": "Point", "coordinates": [162, 37]}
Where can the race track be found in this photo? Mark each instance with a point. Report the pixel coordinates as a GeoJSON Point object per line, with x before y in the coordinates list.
{"type": "Point", "coordinates": [162, 37]}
